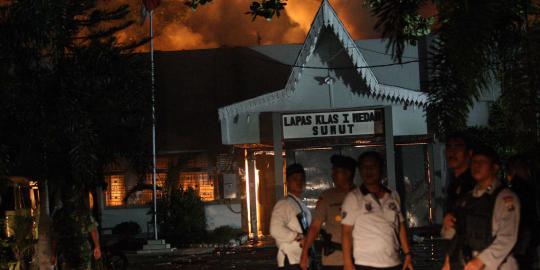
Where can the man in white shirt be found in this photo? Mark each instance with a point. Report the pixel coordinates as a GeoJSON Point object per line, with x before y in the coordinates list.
{"type": "Point", "coordinates": [290, 220]}
{"type": "Point", "coordinates": [372, 223]}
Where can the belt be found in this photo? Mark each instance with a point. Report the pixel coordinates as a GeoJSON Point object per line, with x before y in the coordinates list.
{"type": "Point", "coordinates": [331, 247]}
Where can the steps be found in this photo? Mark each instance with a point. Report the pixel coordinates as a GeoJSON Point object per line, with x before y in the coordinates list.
{"type": "Point", "coordinates": [156, 246]}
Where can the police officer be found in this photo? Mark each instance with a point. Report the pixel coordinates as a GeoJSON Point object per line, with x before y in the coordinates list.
{"type": "Point", "coordinates": [372, 224]}
{"type": "Point", "coordinates": [458, 155]}
{"type": "Point", "coordinates": [327, 214]}
{"type": "Point", "coordinates": [487, 220]}
{"type": "Point", "coordinates": [290, 220]}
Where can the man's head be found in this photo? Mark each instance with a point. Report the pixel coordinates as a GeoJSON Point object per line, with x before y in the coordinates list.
{"type": "Point", "coordinates": [484, 164]}
{"type": "Point", "coordinates": [458, 151]}
{"type": "Point", "coordinates": [296, 179]}
{"type": "Point", "coordinates": [518, 166]}
{"type": "Point", "coordinates": [69, 194]}
{"type": "Point", "coordinates": [371, 165]}
{"type": "Point", "coordinates": [343, 169]}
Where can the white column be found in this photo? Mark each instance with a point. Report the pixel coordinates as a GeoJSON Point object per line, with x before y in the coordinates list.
{"type": "Point", "coordinates": [252, 195]}
{"type": "Point", "coordinates": [278, 155]}
{"type": "Point", "coordinates": [389, 148]}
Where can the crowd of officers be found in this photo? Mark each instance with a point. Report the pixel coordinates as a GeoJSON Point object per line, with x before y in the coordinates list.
{"type": "Point", "coordinates": [489, 223]}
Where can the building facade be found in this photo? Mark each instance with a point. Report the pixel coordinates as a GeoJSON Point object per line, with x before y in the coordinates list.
{"type": "Point", "coordinates": [341, 97]}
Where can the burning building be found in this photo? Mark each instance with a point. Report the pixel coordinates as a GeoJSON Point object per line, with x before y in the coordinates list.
{"type": "Point", "coordinates": [233, 118]}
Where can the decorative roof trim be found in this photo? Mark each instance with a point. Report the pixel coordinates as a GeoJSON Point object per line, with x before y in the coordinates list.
{"type": "Point", "coordinates": [248, 104]}
{"type": "Point", "coordinates": [327, 17]}
{"type": "Point", "coordinates": [391, 93]}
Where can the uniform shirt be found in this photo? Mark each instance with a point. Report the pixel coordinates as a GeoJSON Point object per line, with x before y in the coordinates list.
{"type": "Point", "coordinates": [375, 226]}
{"type": "Point", "coordinates": [505, 225]}
{"type": "Point", "coordinates": [458, 186]}
{"type": "Point", "coordinates": [285, 227]}
{"type": "Point", "coordinates": [328, 211]}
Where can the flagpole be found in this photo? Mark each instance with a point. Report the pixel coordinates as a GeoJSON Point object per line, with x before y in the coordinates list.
{"type": "Point", "coordinates": [152, 75]}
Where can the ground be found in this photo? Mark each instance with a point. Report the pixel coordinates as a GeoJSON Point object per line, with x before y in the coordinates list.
{"type": "Point", "coordinates": [260, 256]}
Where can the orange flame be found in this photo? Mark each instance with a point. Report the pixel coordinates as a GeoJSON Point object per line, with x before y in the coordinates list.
{"type": "Point", "coordinates": [223, 23]}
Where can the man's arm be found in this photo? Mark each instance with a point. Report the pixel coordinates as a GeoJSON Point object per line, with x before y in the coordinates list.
{"type": "Point", "coordinates": [313, 231]}
{"type": "Point", "coordinates": [350, 210]}
{"type": "Point", "coordinates": [95, 238]}
{"type": "Point", "coordinates": [448, 229]}
{"type": "Point", "coordinates": [278, 223]}
{"type": "Point", "coordinates": [404, 240]}
{"type": "Point", "coordinates": [346, 245]}
{"type": "Point", "coordinates": [53, 251]}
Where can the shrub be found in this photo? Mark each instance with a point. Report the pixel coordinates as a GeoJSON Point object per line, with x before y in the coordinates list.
{"type": "Point", "coordinates": [181, 217]}
{"type": "Point", "coordinates": [129, 228]}
{"type": "Point", "coordinates": [223, 234]}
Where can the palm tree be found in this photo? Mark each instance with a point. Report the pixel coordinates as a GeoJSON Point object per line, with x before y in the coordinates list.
{"type": "Point", "coordinates": [476, 44]}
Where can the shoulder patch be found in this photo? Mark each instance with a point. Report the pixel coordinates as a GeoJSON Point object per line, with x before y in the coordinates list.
{"type": "Point", "coordinates": [392, 206]}
{"type": "Point", "coordinates": [509, 202]}
{"type": "Point", "coordinates": [368, 207]}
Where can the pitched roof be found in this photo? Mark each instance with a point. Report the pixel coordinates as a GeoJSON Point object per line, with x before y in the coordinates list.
{"type": "Point", "coordinates": [327, 17]}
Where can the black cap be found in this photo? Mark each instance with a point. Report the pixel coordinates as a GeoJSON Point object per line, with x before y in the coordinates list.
{"type": "Point", "coordinates": [345, 162]}
{"type": "Point", "coordinates": [469, 143]}
{"type": "Point", "coordinates": [484, 150]}
{"type": "Point", "coordinates": [295, 168]}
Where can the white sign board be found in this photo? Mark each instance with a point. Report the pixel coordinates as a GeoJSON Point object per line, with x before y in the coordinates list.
{"type": "Point", "coordinates": [328, 124]}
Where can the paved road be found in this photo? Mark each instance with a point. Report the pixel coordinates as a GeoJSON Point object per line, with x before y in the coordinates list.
{"type": "Point", "coordinates": [261, 257]}
{"type": "Point", "coordinates": [243, 258]}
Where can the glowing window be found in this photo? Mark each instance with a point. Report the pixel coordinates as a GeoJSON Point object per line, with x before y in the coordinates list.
{"type": "Point", "coordinates": [162, 163]}
{"type": "Point", "coordinates": [201, 182]}
{"type": "Point", "coordinates": [146, 195]}
{"type": "Point", "coordinates": [116, 191]}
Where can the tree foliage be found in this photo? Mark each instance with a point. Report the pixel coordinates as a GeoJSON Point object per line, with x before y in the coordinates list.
{"type": "Point", "coordinates": [72, 99]}
{"type": "Point", "coordinates": [260, 8]}
{"type": "Point", "coordinates": [181, 217]}
{"type": "Point", "coordinates": [479, 48]}
{"type": "Point", "coordinates": [400, 22]}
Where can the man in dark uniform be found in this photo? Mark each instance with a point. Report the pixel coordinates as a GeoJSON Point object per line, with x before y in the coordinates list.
{"type": "Point", "coordinates": [327, 215]}
{"type": "Point", "coordinates": [458, 155]}
{"type": "Point", "coordinates": [487, 220]}
{"type": "Point", "coordinates": [518, 179]}
{"type": "Point", "coordinates": [73, 225]}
